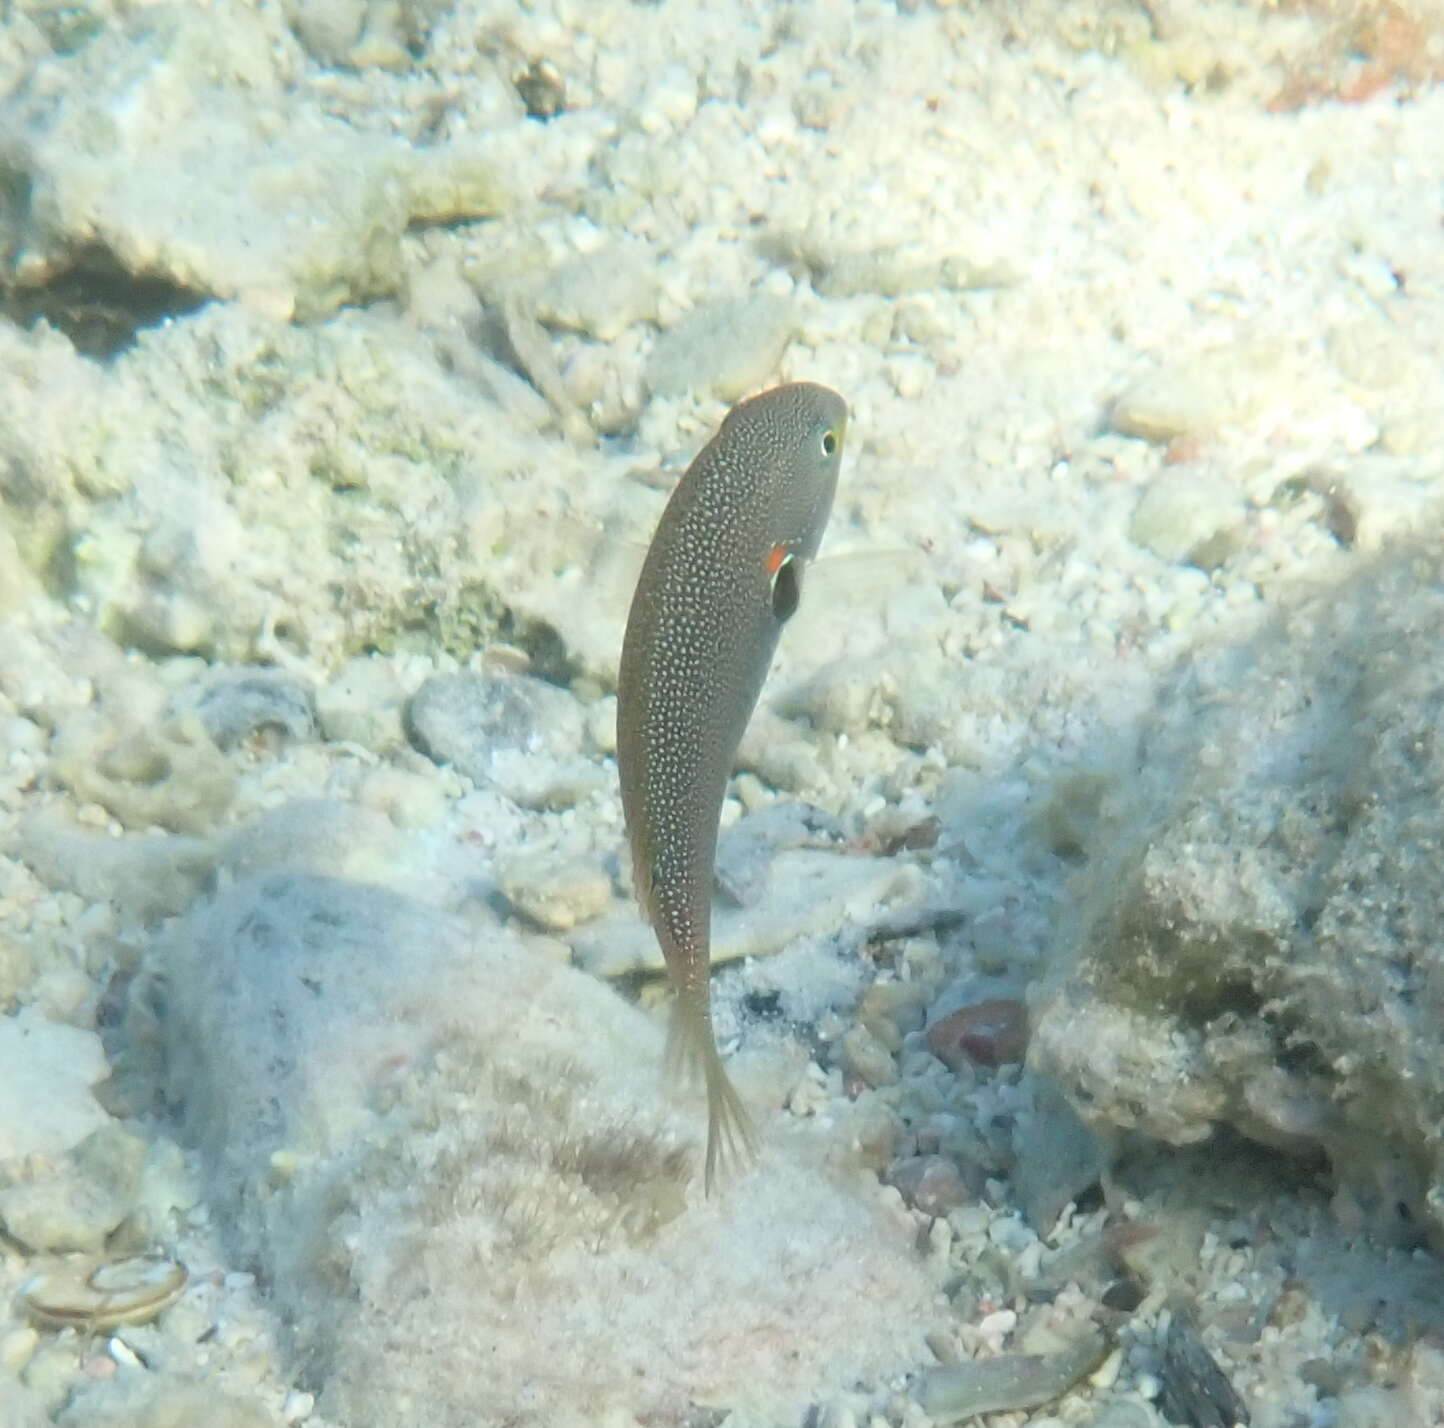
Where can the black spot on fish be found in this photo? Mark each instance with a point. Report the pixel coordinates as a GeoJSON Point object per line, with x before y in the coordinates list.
{"type": "Point", "coordinates": [786, 590]}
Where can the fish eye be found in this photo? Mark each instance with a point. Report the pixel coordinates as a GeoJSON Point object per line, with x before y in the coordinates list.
{"type": "Point", "coordinates": [829, 441]}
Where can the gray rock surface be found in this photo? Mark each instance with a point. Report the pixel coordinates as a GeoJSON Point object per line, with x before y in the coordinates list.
{"type": "Point", "coordinates": [466, 719]}
{"type": "Point", "coordinates": [1260, 942]}
{"type": "Point", "coordinates": [144, 877]}
{"type": "Point", "coordinates": [413, 1127]}
{"type": "Point", "coordinates": [812, 894]}
{"type": "Point", "coordinates": [747, 850]}
{"type": "Point", "coordinates": [724, 348]}
{"type": "Point", "coordinates": [520, 734]}
{"type": "Point", "coordinates": [46, 1064]}
{"type": "Point", "coordinates": [1056, 1157]}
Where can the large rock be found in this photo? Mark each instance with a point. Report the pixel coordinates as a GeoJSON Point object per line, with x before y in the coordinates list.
{"type": "Point", "coordinates": [472, 1195]}
{"type": "Point", "coordinates": [242, 489]}
{"type": "Point", "coordinates": [172, 147]}
{"type": "Point", "coordinates": [1259, 944]}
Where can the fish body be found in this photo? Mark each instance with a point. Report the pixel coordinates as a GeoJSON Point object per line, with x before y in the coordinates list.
{"type": "Point", "coordinates": [721, 577]}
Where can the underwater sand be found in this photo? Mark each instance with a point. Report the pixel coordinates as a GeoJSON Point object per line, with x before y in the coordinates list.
{"type": "Point", "coordinates": [348, 350]}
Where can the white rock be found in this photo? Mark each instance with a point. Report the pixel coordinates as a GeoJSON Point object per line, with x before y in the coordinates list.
{"type": "Point", "coordinates": [46, 1072]}
{"type": "Point", "coordinates": [1197, 394]}
{"type": "Point", "coordinates": [1179, 512]}
{"type": "Point", "coordinates": [814, 894]}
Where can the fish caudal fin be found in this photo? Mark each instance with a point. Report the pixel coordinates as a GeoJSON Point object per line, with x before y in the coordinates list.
{"type": "Point", "coordinates": [692, 1052]}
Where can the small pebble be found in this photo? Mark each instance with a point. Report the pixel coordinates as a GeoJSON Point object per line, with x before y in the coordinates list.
{"type": "Point", "coordinates": [298, 1406]}
{"type": "Point", "coordinates": [362, 705]}
{"type": "Point", "coordinates": [409, 800]}
{"type": "Point", "coordinates": [992, 1033]}
{"type": "Point", "coordinates": [542, 90]}
{"type": "Point", "coordinates": [1197, 394]}
{"type": "Point", "coordinates": [16, 1347]}
{"type": "Point", "coordinates": [994, 1328]}
{"type": "Point", "coordinates": [930, 1183]}
{"type": "Point", "coordinates": [519, 734]}
{"type": "Point", "coordinates": [1106, 1374]}
{"type": "Point", "coordinates": [722, 349]}
{"type": "Point", "coordinates": [121, 1353]}
{"type": "Point", "coordinates": [940, 1241]}
{"type": "Point", "coordinates": [329, 28]}
{"type": "Point", "coordinates": [1123, 1414]}
{"type": "Point", "coordinates": [241, 704]}
{"type": "Point", "coordinates": [977, 1386]}
{"type": "Point", "coordinates": [865, 1057]}
{"type": "Point", "coordinates": [555, 893]}
{"type": "Point", "coordinates": [1010, 1234]}
{"type": "Point", "coordinates": [601, 724]}
{"type": "Point", "coordinates": [1183, 516]}
{"type": "Point", "coordinates": [21, 735]}
{"type": "Point", "coordinates": [465, 719]}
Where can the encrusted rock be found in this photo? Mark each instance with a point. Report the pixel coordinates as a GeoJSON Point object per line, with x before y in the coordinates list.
{"type": "Point", "coordinates": [378, 1095]}
{"type": "Point", "coordinates": [1256, 943]}
{"type": "Point", "coordinates": [169, 776]}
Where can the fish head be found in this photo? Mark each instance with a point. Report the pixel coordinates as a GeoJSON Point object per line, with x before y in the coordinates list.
{"type": "Point", "coordinates": [795, 433]}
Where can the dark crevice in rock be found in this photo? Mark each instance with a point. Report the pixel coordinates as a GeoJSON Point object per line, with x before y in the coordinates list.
{"type": "Point", "coordinates": [99, 305]}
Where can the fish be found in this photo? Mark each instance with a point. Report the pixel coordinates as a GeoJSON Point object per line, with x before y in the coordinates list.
{"type": "Point", "coordinates": [723, 574]}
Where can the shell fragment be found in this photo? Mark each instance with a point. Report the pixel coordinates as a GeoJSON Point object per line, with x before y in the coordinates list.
{"type": "Point", "coordinates": [85, 1294]}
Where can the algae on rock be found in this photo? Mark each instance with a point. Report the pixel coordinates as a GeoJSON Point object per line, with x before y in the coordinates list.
{"type": "Point", "coordinates": [1258, 941]}
{"type": "Point", "coordinates": [414, 1124]}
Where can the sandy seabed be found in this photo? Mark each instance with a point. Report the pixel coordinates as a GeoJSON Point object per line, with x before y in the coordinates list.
{"type": "Point", "coordinates": [349, 348]}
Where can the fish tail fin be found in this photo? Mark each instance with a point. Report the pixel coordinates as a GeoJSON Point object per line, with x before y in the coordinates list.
{"type": "Point", "coordinates": [692, 1053]}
